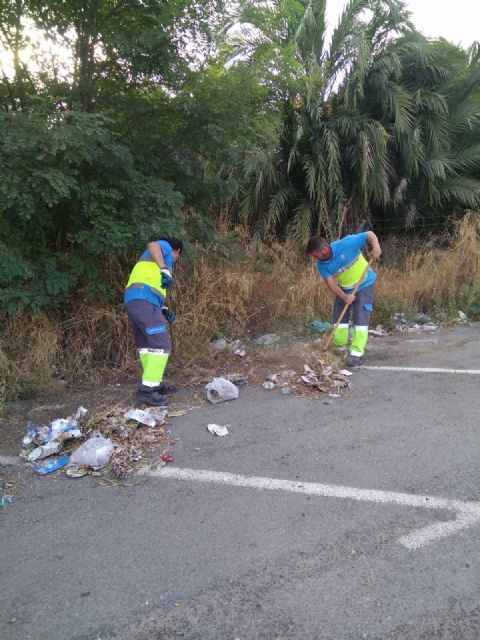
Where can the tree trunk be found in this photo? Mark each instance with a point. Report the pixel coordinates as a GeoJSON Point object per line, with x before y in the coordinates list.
{"type": "Point", "coordinates": [16, 55]}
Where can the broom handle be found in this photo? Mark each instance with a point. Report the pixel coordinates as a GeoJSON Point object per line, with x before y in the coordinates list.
{"type": "Point", "coordinates": [344, 311]}
{"type": "Point", "coordinates": [170, 304]}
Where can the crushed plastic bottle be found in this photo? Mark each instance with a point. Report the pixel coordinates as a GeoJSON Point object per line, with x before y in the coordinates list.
{"type": "Point", "coordinates": [45, 450]}
{"type": "Point", "coordinates": [51, 466]}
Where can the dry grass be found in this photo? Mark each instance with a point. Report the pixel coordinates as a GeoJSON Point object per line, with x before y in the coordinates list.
{"type": "Point", "coordinates": [245, 291]}
{"type": "Point", "coordinates": [430, 278]}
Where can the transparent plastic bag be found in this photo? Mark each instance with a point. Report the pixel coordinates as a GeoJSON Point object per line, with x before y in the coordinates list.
{"type": "Point", "coordinates": [95, 453]}
{"type": "Point", "coordinates": [221, 390]}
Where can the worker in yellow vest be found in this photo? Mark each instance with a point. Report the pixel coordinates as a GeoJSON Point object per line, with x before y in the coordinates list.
{"type": "Point", "coordinates": [144, 300]}
{"type": "Point", "coordinates": [342, 265]}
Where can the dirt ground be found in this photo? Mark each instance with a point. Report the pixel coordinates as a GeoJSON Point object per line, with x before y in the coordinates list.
{"type": "Point", "coordinates": [110, 401]}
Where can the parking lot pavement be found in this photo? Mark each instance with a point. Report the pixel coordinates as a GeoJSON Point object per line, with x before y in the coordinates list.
{"type": "Point", "coordinates": [295, 525]}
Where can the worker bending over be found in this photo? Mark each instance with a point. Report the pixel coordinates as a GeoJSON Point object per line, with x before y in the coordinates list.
{"type": "Point", "coordinates": [144, 300]}
{"type": "Point", "coordinates": [342, 266]}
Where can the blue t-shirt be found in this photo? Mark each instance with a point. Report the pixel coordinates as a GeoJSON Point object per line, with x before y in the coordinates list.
{"type": "Point", "coordinates": [344, 253]}
{"type": "Point", "coordinates": [166, 251]}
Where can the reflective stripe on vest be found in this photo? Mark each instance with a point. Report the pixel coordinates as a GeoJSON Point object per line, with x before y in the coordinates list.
{"type": "Point", "coordinates": [146, 272]}
{"type": "Point", "coordinates": [350, 277]}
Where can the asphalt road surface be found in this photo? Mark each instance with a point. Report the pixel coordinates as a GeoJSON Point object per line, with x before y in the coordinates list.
{"type": "Point", "coordinates": [358, 519]}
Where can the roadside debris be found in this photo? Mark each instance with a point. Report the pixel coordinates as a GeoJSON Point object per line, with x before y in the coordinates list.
{"type": "Point", "coordinates": [176, 413]}
{"type": "Point", "coordinates": [5, 500]}
{"type": "Point", "coordinates": [51, 466]}
{"type": "Point", "coordinates": [309, 376]}
{"type": "Point", "coordinates": [116, 437]}
{"type": "Point", "coordinates": [159, 415]}
{"type": "Point", "coordinates": [238, 349]}
{"type": "Point", "coordinates": [142, 417]}
{"type": "Point", "coordinates": [268, 385]}
{"type": "Point", "coordinates": [221, 390]}
{"type": "Point", "coordinates": [378, 331]}
{"type": "Point", "coordinates": [419, 322]}
{"type": "Point", "coordinates": [319, 326]}
{"type": "Point", "coordinates": [166, 457]}
{"type": "Point", "coordinates": [42, 441]}
{"type": "Point", "coordinates": [462, 317]}
{"type": "Point", "coordinates": [217, 429]}
{"type": "Point", "coordinates": [219, 344]}
{"type": "Point", "coordinates": [400, 321]}
{"type": "Point", "coordinates": [77, 472]}
{"type": "Point", "coordinates": [95, 453]}
{"type": "Point", "coordinates": [267, 339]}
{"type": "Point", "coordinates": [45, 450]}
{"type": "Point", "coordinates": [237, 378]}
{"type": "Point", "coordinates": [421, 318]}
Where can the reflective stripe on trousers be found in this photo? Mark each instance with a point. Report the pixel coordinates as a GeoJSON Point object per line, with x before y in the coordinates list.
{"type": "Point", "coordinates": [153, 363]}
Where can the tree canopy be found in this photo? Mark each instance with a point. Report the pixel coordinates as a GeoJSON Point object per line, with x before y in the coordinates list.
{"type": "Point", "coordinates": [162, 116]}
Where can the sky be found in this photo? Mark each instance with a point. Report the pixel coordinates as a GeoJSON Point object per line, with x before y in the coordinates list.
{"type": "Point", "coordinates": [457, 20]}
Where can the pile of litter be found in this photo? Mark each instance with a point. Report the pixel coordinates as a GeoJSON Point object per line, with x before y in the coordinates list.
{"type": "Point", "coordinates": [423, 322]}
{"type": "Point", "coordinates": [420, 322]}
{"type": "Point", "coordinates": [116, 439]}
{"type": "Point", "coordinates": [325, 379]}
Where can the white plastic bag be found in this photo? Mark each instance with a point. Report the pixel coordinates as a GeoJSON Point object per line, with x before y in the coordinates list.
{"type": "Point", "coordinates": [221, 390]}
{"type": "Point", "coordinates": [95, 452]}
{"type": "Point", "coordinates": [217, 429]}
{"type": "Point", "coordinates": [140, 416]}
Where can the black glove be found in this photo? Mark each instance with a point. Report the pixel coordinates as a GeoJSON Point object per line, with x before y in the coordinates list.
{"type": "Point", "coordinates": [169, 315]}
{"type": "Point", "coordinates": [166, 277]}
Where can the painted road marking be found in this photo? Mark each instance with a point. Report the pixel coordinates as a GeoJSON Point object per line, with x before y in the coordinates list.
{"type": "Point", "coordinates": [472, 372]}
{"type": "Point", "coordinates": [467, 514]}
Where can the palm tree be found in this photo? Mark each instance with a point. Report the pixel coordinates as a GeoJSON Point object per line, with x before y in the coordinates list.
{"type": "Point", "coordinates": [426, 96]}
{"type": "Point", "coordinates": [331, 159]}
{"type": "Point", "coordinates": [378, 122]}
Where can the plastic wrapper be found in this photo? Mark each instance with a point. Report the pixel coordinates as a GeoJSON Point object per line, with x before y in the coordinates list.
{"type": "Point", "coordinates": [95, 452]}
{"type": "Point", "coordinates": [221, 390]}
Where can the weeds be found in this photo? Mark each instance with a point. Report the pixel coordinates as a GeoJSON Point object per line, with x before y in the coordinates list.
{"type": "Point", "coordinates": [235, 289]}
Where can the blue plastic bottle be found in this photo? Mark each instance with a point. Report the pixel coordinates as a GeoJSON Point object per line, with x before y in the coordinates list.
{"type": "Point", "coordinates": [51, 466]}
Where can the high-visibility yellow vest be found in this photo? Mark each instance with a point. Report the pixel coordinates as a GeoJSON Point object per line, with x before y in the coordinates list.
{"type": "Point", "coordinates": [351, 275]}
{"type": "Point", "coordinates": [148, 273]}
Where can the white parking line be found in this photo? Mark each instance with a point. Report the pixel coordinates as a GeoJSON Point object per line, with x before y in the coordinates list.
{"type": "Point", "coordinates": [472, 372]}
{"type": "Point", "coordinates": [467, 514]}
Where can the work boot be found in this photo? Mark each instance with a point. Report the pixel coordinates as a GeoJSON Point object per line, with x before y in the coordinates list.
{"type": "Point", "coordinates": [151, 399]}
{"type": "Point", "coordinates": [166, 389]}
{"type": "Point", "coordinates": [354, 361]}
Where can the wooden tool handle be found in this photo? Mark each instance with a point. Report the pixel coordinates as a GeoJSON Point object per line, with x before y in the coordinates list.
{"type": "Point", "coordinates": [344, 311]}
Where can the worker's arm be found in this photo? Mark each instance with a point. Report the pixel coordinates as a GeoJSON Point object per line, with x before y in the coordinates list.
{"type": "Point", "coordinates": [375, 250]}
{"type": "Point", "coordinates": [156, 252]}
{"type": "Point", "coordinates": [166, 273]}
{"type": "Point", "coordinates": [332, 284]}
